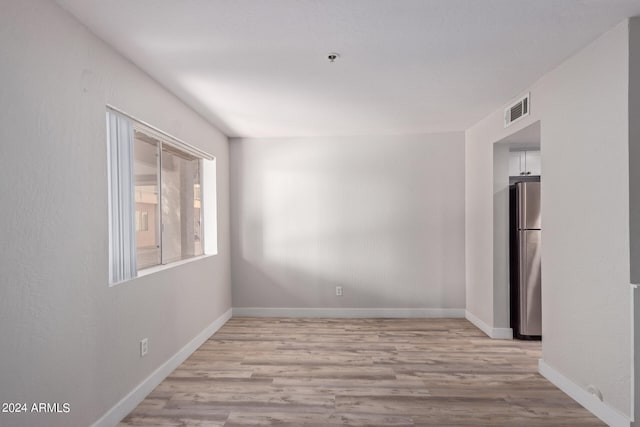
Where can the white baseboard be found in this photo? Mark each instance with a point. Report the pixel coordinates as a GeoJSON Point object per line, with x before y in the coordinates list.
{"type": "Point", "coordinates": [597, 407]}
{"type": "Point", "coordinates": [348, 312]}
{"type": "Point", "coordinates": [495, 333]}
{"type": "Point", "coordinates": [128, 403]}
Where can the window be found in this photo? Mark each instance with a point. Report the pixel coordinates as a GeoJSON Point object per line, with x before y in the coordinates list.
{"type": "Point", "coordinates": [155, 197]}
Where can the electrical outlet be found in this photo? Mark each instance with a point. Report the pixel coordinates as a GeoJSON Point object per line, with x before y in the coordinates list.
{"type": "Point", "coordinates": [338, 291]}
{"type": "Point", "coordinates": [144, 347]}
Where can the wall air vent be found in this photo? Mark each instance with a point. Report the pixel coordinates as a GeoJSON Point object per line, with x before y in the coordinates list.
{"type": "Point", "coordinates": [517, 110]}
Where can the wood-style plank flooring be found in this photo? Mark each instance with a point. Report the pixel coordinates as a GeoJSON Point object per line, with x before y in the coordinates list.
{"type": "Point", "coordinates": [358, 372]}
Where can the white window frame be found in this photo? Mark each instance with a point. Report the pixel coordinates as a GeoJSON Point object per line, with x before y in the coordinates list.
{"type": "Point", "coordinates": [121, 190]}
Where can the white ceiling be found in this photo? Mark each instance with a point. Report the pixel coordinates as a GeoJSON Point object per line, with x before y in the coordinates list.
{"type": "Point", "coordinates": [259, 68]}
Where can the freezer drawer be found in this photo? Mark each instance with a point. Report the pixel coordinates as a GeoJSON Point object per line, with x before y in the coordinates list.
{"type": "Point", "coordinates": [530, 295]}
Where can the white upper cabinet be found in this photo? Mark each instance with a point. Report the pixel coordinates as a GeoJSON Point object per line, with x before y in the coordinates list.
{"type": "Point", "coordinates": [524, 163]}
{"type": "Point", "coordinates": [514, 163]}
{"type": "Point", "coordinates": [532, 162]}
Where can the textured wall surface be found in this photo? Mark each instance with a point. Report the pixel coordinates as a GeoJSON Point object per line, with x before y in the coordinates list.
{"type": "Point", "coordinates": [381, 216]}
{"type": "Point", "coordinates": [66, 335]}
{"type": "Point", "coordinates": [583, 111]}
{"type": "Point", "coordinates": [634, 193]}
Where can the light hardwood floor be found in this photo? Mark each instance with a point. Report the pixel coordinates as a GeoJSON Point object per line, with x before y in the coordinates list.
{"type": "Point", "coordinates": [358, 372]}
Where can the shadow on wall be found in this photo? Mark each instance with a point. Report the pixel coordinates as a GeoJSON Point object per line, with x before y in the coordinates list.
{"type": "Point", "coordinates": [306, 230]}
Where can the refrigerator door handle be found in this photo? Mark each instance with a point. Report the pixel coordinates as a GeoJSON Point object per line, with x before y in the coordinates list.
{"type": "Point", "coordinates": [521, 194]}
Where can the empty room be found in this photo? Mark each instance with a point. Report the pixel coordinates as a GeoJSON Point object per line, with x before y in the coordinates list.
{"type": "Point", "coordinates": [319, 213]}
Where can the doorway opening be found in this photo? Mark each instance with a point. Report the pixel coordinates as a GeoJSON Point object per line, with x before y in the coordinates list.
{"type": "Point", "coordinates": [517, 175]}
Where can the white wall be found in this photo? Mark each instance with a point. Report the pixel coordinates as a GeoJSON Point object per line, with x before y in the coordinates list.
{"type": "Point", "coordinates": [634, 147]}
{"type": "Point", "coordinates": [501, 236]}
{"type": "Point", "coordinates": [582, 106]}
{"type": "Point", "coordinates": [634, 193]}
{"type": "Point", "coordinates": [381, 216]}
{"type": "Point", "coordinates": [65, 335]}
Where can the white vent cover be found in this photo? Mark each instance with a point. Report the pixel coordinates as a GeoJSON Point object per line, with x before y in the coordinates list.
{"type": "Point", "coordinates": [516, 111]}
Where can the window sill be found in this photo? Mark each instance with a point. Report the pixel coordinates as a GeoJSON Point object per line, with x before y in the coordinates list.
{"type": "Point", "coordinates": [157, 268]}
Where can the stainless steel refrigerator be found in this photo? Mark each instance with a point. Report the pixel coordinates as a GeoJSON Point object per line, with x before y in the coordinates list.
{"type": "Point", "coordinates": [525, 260]}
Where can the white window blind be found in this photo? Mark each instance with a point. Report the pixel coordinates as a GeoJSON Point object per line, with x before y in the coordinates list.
{"type": "Point", "coordinates": [122, 220]}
